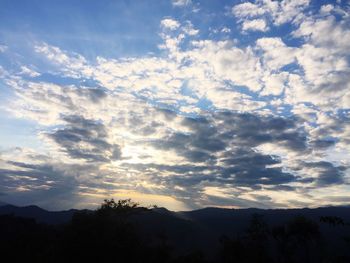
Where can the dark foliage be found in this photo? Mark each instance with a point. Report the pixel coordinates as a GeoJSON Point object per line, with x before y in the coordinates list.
{"type": "Point", "coordinates": [109, 234]}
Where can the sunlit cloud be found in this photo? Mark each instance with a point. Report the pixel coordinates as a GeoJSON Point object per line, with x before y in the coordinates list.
{"type": "Point", "coordinates": [235, 120]}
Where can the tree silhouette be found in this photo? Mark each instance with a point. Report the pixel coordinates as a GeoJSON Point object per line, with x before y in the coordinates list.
{"type": "Point", "coordinates": [303, 239]}
{"type": "Point", "coordinates": [332, 220]}
{"type": "Point", "coordinates": [123, 231]}
{"type": "Point", "coordinates": [106, 234]}
{"type": "Point", "coordinates": [124, 207]}
{"type": "Point", "coordinates": [258, 238]}
{"type": "Point", "coordinates": [232, 250]}
{"type": "Point", "coordinates": [253, 247]}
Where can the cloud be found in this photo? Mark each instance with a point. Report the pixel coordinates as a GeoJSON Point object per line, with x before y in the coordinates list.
{"type": "Point", "coordinates": [212, 200]}
{"type": "Point", "coordinates": [248, 9]}
{"type": "Point", "coordinates": [316, 31]}
{"type": "Point", "coordinates": [42, 184]}
{"type": "Point", "coordinates": [29, 72]}
{"type": "Point", "coordinates": [279, 12]}
{"type": "Point", "coordinates": [75, 64]}
{"type": "Point", "coordinates": [324, 62]}
{"type": "Point", "coordinates": [276, 53]}
{"type": "Point", "coordinates": [169, 23]}
{"type": "Point", "coordinates": [189, 29]}
{"type": "Point", "coordinates": [3, 48]}
{"type": "Point", "coordinates": [85, 139]}
{"type": "Point", "coordinates": [251, 169]}
{"type": "Point", "coordinates": [322, 143]}
{"type": "Point", "coordinates": [179, 3]}
{"type": "Point", "coordinates": [326, 172]}
{"type": "Point", "coordinates": [254, 25]}
{"type": "Point", "coordinates": [221, 150]}
{"type": "Point", "coordinates": [206, 121]}
{"type": "Point", "coordinates": [225, 30]}
{"type": "Point", "coordinates": [226, 62]}
{"type": "Point", "coordinates": [221, 145]}
{"type": "Point", "coordinates": [326, 9]}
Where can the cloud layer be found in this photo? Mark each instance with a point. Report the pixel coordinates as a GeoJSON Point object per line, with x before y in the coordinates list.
{"type": "Point", "coordinates": [205, 121]}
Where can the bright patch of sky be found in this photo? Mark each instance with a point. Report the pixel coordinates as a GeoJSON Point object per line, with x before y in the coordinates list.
{"type": "Point", "coordinates": [183, 103]}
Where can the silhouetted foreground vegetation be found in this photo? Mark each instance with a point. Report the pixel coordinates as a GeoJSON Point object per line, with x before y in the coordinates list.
{"type": "Point", "coordinates": [121, 232]}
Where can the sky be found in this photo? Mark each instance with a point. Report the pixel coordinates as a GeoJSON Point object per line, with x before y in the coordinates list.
{"type": "Point", "coordinates": [177, 103]}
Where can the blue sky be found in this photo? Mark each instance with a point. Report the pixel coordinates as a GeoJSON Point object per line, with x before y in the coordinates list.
{"type": "Point", "coordinates": [179, 103]}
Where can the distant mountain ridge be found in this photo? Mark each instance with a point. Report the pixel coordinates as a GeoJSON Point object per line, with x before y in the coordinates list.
{"type": "Point", "coordinates": [205, 216]}
{"type": "Point", "coordinates": [37, 213]}
{"type": "Point", "coordinates": [202, 229]}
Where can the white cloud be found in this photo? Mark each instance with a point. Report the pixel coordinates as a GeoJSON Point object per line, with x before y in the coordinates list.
{"type": "Point", "coordinates": [3, 48]}
{"type": "Point", "coordinates": [248, 9]}
{"type": "Point", "coordinates": [227, 62]}
{"type": "Point", "coordinates": [279, 11]}
{"type": "Point", "coordinates": [289, 10]}
{"type": "Point", "coordinates": [225, 30]}
{"type": "Point", "coordinates": [324, 60]}
{"type": "Point", "coordinates": [326, 32]}
{"type": "Point", "coordinates": [181, 2]}
{"type": "Point", "coordinates": [75, 64]}
{"type": "Point", "coordinates": [189, 29]}
{"type": "Point", "coordinates": [29, 72]}
{"type": "Point", "coordinates": [254, 25]}
{"type": "Point", "coordinates": [209, 64]}
{"type": "Point", "coordinates": [170, 24]}
{"type": "Point", "coordinates": [276, 53]}
{"type": "Point", "coordinates": [228, 99]}
{"type": "Point", "coordinates": [274, 84]}
{"type": "Point", "coordinates": [326, 9]}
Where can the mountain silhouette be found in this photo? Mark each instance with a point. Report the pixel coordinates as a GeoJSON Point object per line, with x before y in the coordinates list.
{"type": "Point", "coordinates": [37, 213]}
{"type": "Point", "coordinates": [189, 236]}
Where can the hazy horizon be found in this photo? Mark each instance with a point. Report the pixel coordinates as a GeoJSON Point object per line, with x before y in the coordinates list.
{"type": "Point", "coordinates": [96, 206]}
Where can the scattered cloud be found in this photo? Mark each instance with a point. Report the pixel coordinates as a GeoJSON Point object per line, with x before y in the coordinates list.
{"type": "Point", "coordinates": [205, 121]}
{"type": "Point", "coordinates": [169, 23]}
{"type": "Point", "coordinates": [254, 25]}
{"type": "Point", "coordinates": [181, 2]}
{"type": "Point", "coordinates": [279, 12]}
{"type": "Point", "coordinates": [85, 139]}
{"type": "Point", "coordinates": [189, 29]}
{"type": "Point", "coordinates": [225, 30]}
{"type": "Point", "coordinates": [3, 48]}
{"type": "Point", "coordinates": [29, 72]}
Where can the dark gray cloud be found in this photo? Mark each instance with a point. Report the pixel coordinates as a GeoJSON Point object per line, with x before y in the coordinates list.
{"type": "Point", "coordinates": [249, 168]}
{"type": "Point", "coordinates": [198, 156]}
{"type": "Point", "coordinates": [281, 188]}
{"type": "Point", "coordinates": [226, 129]}
{"type": "Point", "coordinates": [52, 185]}
{"type": "Point", "coordinates": [169, 114]}
{"type": "Point", "coordinates": [85, 139]}
{"type": "Point", "coordinates": [95, 94]}
{"type": "Point", "coordinates": [322, 143]}
{"type": "Point", "coordinates": [327, 172]}
{"type": "Point", "coordinates": [334, 130]}
{"type": "Point", "coordinates": [221, 148]}
{"type": "Point", "coordinates": [264, 202]}
{"type": "Point", "coordinates": [224, 144]}
{"type": "Point", "coordinates": [41, 184]}
{"type": "Point", "coordinates": [250, 130]}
